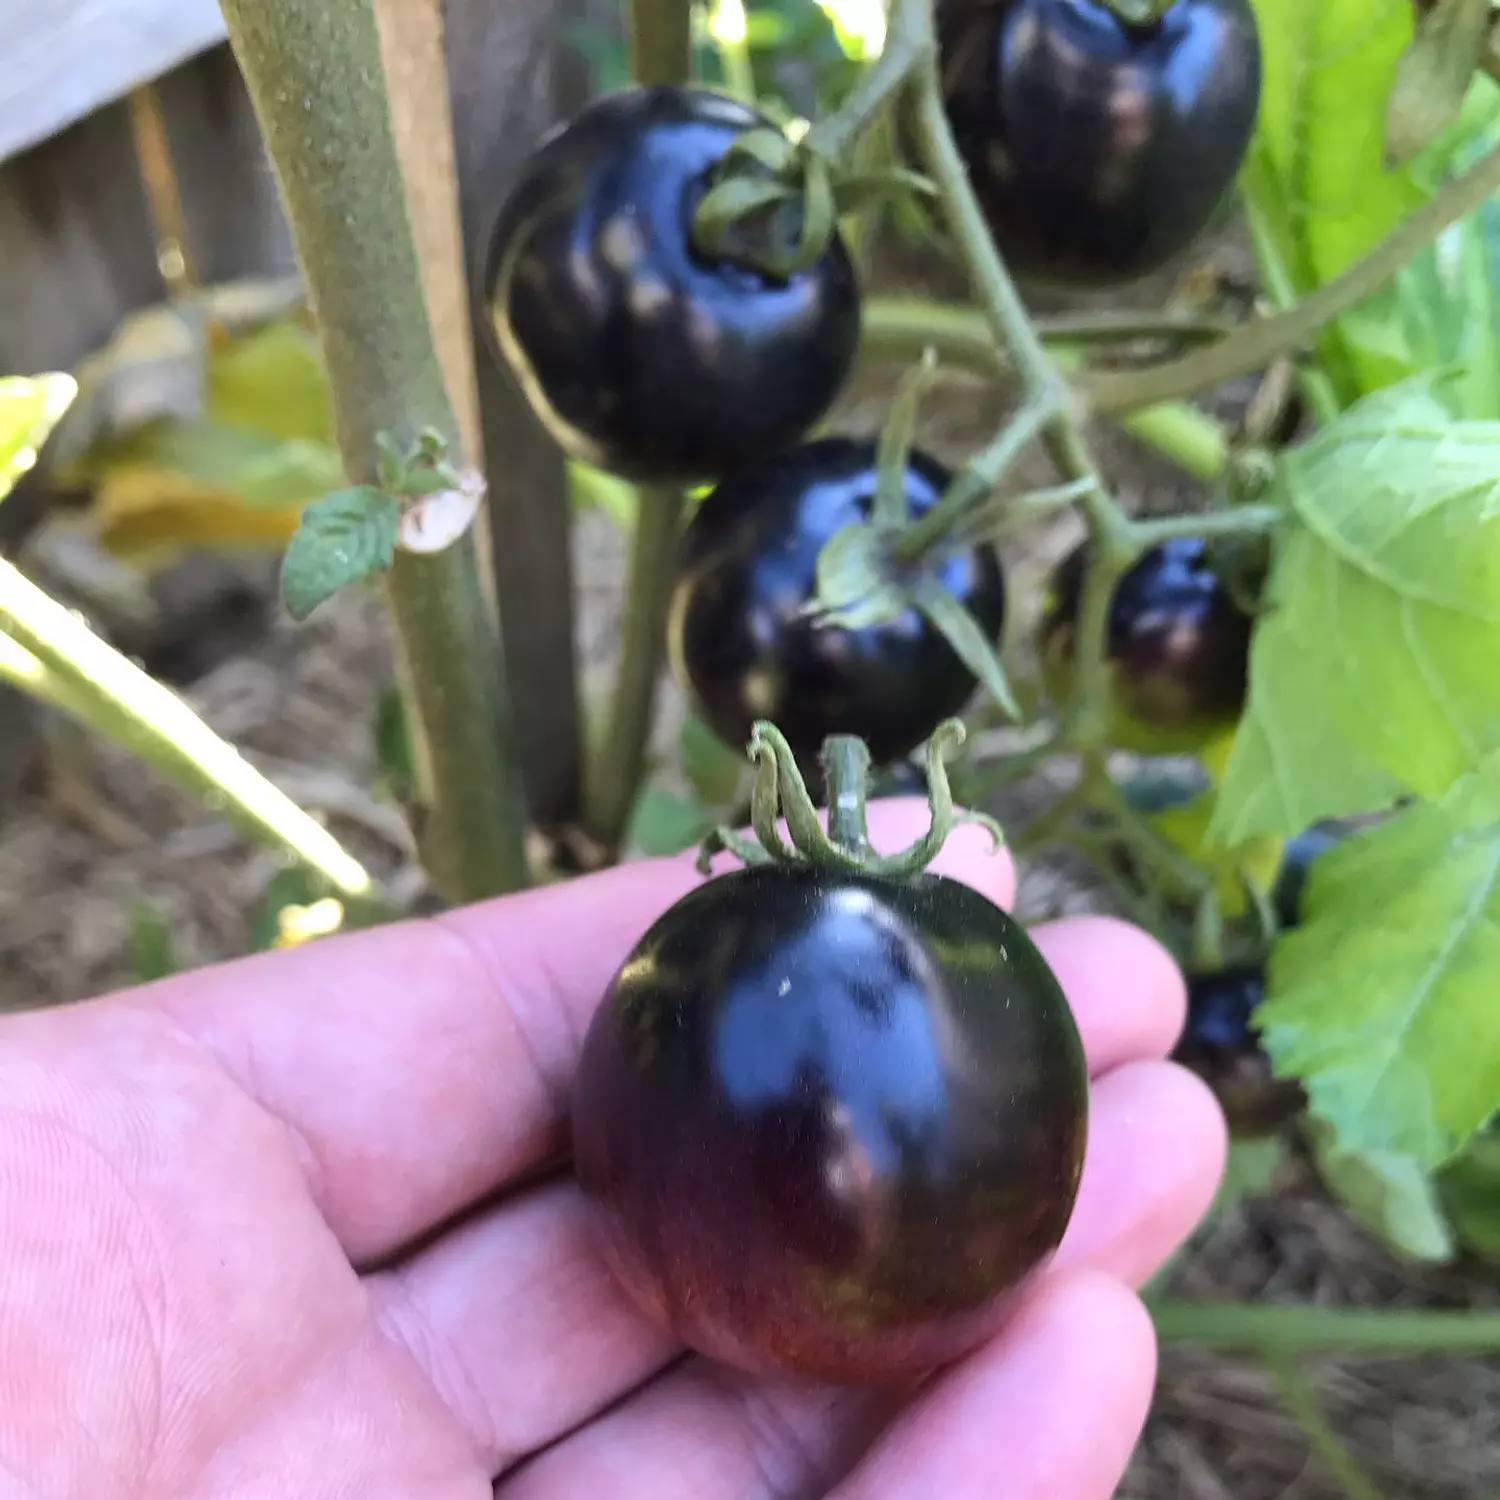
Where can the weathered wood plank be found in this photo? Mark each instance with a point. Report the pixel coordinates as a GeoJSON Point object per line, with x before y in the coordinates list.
{"type": "Point", "coordinates": [501, 60]}
{"type": "Point", "coordinates": [61, 60]}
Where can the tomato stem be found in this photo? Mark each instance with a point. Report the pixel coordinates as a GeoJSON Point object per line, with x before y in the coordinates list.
{"type": "Point", "coordinates": [1301, 1401]}
{"type": "Point", "coordinates": [781, 789]}
{"type": "Point", "coordinates": [618, 754]}
{"type": "Point", "coordinates": [1259, 342]}
{"type": "Point", "coordinates": [317, 80]}
{"type": "Point", "coordinates": [898, 329]}
{"type": "Point", "coordinates": [661, 40]}
{"type": "Point", "coordinates": [908, 41]}
{"type": "Point", "coordinates": [1326, 1330]}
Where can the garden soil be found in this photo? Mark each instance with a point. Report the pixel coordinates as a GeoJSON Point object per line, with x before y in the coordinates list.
{"type": "Point", "coordinates": [88, 836]}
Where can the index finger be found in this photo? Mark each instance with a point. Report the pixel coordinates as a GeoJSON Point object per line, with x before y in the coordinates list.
{"type": "Point", "coordinates": [424, 1065]}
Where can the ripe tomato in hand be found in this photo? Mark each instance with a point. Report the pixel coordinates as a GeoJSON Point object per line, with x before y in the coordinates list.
{"type": "Point", "coordinates": [831, 1122]}
{"type": "Point", "coordinates": [1099, 150]}
{"type": "Point", "coordinates": [640, 354]}
{"type": "Point", "coordinates": [741, 647]}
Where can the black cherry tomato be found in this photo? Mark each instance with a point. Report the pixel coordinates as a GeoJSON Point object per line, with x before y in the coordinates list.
{"type": "Point", "coordinates": [639, 354]}
{"type": "Point", "coordinates": [1178, 646]}
{"type": "Point", "coordinates": [833, 1121]}
{"type": "Point", "coordinates": [742, 649]}
{"type": "Point", "coordinates": [1220, 1044]}
{"type": "Point", "coordinates": [1099, 149]}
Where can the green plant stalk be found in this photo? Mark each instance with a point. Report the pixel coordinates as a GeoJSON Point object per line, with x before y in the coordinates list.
{"type": "Point", "coordinates": [617, 760]}
{"type": "Point", "coordinates": [1260, 342]}
{"type": "Point", "coordinates": [1289, 1330]}
{"type": "Point", "coordinates": [661, 40]}
{"type": "Point", "coordinates": [1300, 1400]}
{"type": "Point", "coordinates": [899, 329]}
{"type": "Point", "coordinates": [1268, 239]}
{"type": "Point", "coordinates": [316, 78]}
{"type": "Point", "coordinates": [48, 650]}
{"type": "Point", "coordinates": [660, 52]}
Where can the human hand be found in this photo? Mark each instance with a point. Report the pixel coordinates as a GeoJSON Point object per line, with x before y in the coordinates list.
{"type": "Point", "coordinates": [291, 1227]}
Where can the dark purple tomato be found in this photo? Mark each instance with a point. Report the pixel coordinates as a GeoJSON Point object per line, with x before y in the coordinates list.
{"type": "Point", "coordinates": [1220, 1045]}
{"type": "Point", "coordinates": [639, 354]}
{"type": "Point", "coordinates": [1178, 646]}
{"type": "Point", "coordinates": [1099, 149]}
{"type": "Point", "coordinates": [831, 1122]}
{"type": "Point", "coordinates": [1297, 860]}
{"type": "Point", "coordinates": [742, 649]}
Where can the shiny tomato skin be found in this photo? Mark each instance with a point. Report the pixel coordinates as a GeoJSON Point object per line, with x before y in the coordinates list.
{"type": "Point", "coordinates": [741, 650]}
{"type": "Point", "coordinates": [1178, 646]}
{"type": "Point", "coordinates": [1221, 1045]}
{"type": "Point", "coordinates": [1099, 150]}
{"type": "Point", "coordinates": [640, 355]}
{"type": "Point", "coordinates": [1297, 860]}
{"type": "Point", "coordinates": [831, 1124]}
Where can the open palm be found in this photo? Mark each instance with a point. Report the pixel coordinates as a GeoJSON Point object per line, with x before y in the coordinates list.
{"type": "Point", "coordinates": [294, 1227]}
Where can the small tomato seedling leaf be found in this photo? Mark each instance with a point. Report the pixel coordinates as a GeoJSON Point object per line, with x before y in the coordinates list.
{"type": "Point", "coordinates": [344, 537]}
{"type": "Point", "coordinates": [1372, 668]}
{"type": "Point", "coordinates": [1382, 999]}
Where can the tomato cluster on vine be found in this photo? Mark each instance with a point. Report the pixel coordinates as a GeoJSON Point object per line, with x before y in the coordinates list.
{"type": "Point", "coordinates": [833, 1109]}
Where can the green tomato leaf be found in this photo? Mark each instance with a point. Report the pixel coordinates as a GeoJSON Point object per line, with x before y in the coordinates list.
{"type": "Point", "coordinates": [1373, 668]}
{"type": "Point", "coordinates": [663, 823]}
{"type": "Point", "coordinates": [344, 537]}
{"type": "Point", "coordinates": [1469, 1187]}
{"type": "Point", "coordinates": [714, 770]}
{"type": "Point", "coordinates": [1382, 999]}
{"type": "Point", "coordinates": [30, 407]}
{"type": "Point", "coordinates": [1433, 76]}
{"type": "Point", "coordinates": [1327, 74]}
{"type": "Point", "coordinates": [1394, 1197]}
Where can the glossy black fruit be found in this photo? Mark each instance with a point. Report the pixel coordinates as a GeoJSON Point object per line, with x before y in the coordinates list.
{"type": "Point", "coordinates": [1178, 647]}
{"type": "Point", "coordinates": [742, 650]}
{"type": "Point", "coordinates": [1220, 1044]}
{"type": "Point", "coordinates": [1099, 150]}
{"type": "Point", "coordinates": [1296, 864]}
{"type": "Point", "coordinates": [832, 1121]}
{"type": "Point", "coordinates": [639, 354]}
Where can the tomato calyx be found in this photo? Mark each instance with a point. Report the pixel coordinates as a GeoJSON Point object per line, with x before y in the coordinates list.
{"type": "Point", "coordinates": [773, 204]}
{"type": "Point", "coordinates": [780, 791]}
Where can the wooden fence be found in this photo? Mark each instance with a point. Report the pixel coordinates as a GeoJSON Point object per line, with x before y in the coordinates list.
{"type": "Point", "coordinates": [85, 85]}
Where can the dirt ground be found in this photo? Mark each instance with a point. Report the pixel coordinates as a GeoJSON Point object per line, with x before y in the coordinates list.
{"type": "Point", "coordinates": [86, 835]}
